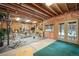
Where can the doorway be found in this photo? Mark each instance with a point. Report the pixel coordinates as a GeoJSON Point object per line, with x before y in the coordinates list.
{"type": "Point", "coordinates": [72, 31]}
{"type": "Point", "coordinates": [68, 31]}
{"type": "Point", "coordinates": [61, 31]}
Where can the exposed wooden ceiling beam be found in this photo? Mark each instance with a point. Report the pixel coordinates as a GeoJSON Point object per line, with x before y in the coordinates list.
{"type": "Point", "coordinates": [26, 6]}
{"type": "Point", "coordinates": [5, 9]}
{"type": "Point", "coordinates": [67, 7]}
{"type": "Point", "coordinates": [35, 12]}
{"type": "Point", "coordinates": [76, 6]}
{"type": "Point", "coordinates": [48, 8]}
{"type": "Point", "coordinates": [15, 15]}
{"type": "Point", "coordinates": [9, 6]}
{"type": "Point", "coordinates": [24, 18]}
{"type": "Point", "coordinates": [42, 9]}
{"type": "Point", "coordinates": [59, 8]}
{"type": "Point", "coordinates": [22, 15]}
{"type": "Point", "coordinates": [29, 11]}
{"type": "Point", "coordinates": [52, 10]}
{"type": "Point", "coordinates": [21, 10]}
{"type": "Point", "coordinates": [19, 14]}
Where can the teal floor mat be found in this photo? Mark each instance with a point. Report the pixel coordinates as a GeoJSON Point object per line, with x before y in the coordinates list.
{"type": "Point", "coordinates": [59, 48]}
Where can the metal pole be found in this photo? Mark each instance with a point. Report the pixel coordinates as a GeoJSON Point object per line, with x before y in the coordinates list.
{"type": "Point", "coordinates": [8, 28]}
{"type": "Point", "coordinates": [7, 34]}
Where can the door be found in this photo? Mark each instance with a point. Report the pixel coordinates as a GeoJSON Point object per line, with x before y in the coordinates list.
{"type": "Point", "coordinates": [72, 32]}
{"type": "Point", "coordinates": [61, 31]}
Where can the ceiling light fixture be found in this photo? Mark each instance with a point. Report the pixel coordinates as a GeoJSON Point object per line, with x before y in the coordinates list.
{"type": "Point", "coordinates": [34, 22]}
{"type": "Point", "coordinates": [27, 20]}
{"type": "Point", "coordinates": [17, 19]}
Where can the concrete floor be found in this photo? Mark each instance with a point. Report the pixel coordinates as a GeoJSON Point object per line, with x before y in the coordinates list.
{"type": "Point", "coordinates": [34, 45]}
{"type": "Point", "coordinates": [19, 41]}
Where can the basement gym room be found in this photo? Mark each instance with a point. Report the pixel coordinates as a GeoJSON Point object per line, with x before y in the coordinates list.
{"type": "Point", "coordinates": [39, 29]}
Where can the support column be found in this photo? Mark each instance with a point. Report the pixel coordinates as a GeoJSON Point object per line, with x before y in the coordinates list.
{"type": "Point", "coordinates": [8, 27]}
{"type": "Point", "coordinates": [43, 29]}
